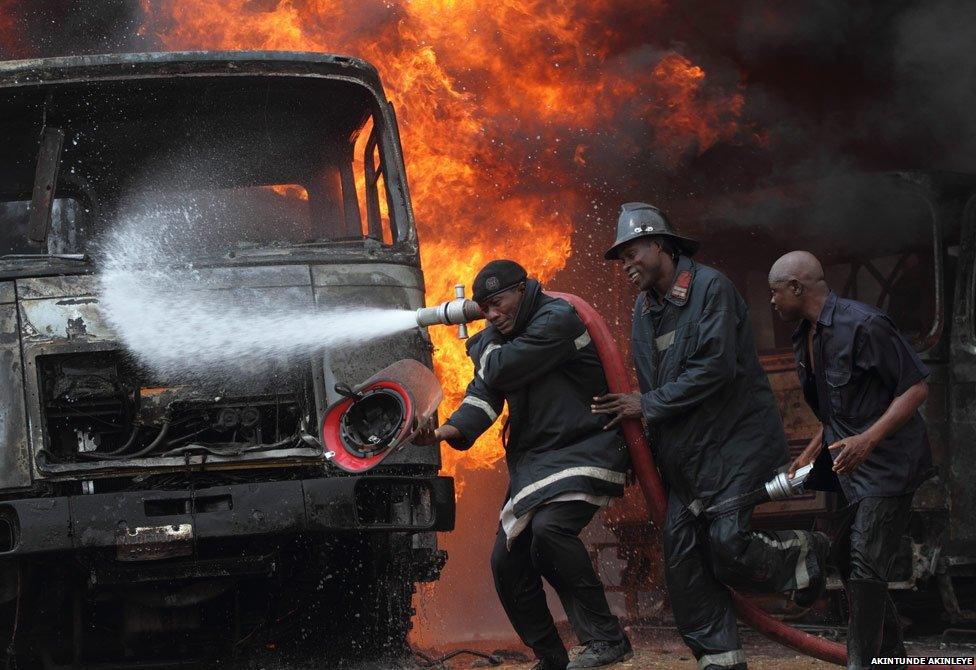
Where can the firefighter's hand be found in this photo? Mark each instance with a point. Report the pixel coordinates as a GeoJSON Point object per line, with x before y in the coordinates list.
{"type": "Point", "coordinates": [426, 435]}
{"type": "Point", "coordinates": [429, 435]}
{"type": "Point", "coordinates": [806, 457]}
{"type": "Point", "coordinates": [800, 461]}
{"type": "Point", "coordinates": [622, 405]}
{"type": "Point", "coordinates": [854, 450]}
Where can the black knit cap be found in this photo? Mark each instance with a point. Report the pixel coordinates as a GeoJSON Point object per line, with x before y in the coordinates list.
{"type": "Point", "coordinates": [496, 277]}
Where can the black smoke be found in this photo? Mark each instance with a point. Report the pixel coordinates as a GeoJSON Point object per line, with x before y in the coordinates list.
{"type": "Point", "coordinates": [829, 88]}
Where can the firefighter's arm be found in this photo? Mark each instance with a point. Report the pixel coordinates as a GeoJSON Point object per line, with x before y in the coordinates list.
{"type": "Point", "coordinates": [709, 367]}
{"type": "Point", "coordinates": [546, 342]}
{"type": "Point", "coordinates": [479, 409]}
{"type": "Point", "coordinates": [855, 449]}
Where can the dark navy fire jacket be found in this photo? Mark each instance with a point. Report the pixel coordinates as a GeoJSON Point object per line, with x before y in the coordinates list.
{"type": "Point", "coordinates": [548, 372]}
{"type": "Point", "coordinates": [714, 423]}
{"type": "Point", "coordinates": [861, 363]}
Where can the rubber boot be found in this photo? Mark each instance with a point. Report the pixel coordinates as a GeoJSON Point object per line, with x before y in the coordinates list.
{"type": "Point", "coordinates": [892, 640]}
{"type": "Point", "coordinates": [806, 597]}
{"type": "Point", "coordinates": [866, 603]}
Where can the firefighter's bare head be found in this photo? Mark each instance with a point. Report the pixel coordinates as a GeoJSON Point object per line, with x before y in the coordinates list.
{"type": "Point", "coordinates": [797, 287]}
{"type": "Point", "coordinates": [647, 259]}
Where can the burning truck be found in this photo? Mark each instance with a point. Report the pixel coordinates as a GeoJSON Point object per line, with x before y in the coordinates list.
{"type": "Point", "coordinates": [146, 518]}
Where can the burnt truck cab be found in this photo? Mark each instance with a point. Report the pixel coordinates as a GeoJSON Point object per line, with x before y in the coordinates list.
{"type": "Point", "coordinates": [906, 243]}
{"type": "Point", "coordinates": [133, 508]}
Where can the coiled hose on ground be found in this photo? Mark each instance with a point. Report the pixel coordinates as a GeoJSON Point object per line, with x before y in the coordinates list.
{"type": "Point", "coordinates": [653, 490]}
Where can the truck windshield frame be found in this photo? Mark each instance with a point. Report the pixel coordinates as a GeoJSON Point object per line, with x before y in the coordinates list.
{"type": "Point", "coordinates": [239, 163]}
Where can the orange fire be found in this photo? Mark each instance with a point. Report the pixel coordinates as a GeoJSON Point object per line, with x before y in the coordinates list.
{"type": "Point", "coordinates": [289, 191]}
{"type": "Point", "coordinates": [496, 102]}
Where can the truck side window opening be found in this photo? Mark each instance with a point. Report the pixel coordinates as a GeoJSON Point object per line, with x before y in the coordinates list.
{"type": "Point", "coordinates": [373, 195]}
{"type": "Point", "coordinates": [14, 217]}
{"type": "Point", "coordinates": [68, 218]}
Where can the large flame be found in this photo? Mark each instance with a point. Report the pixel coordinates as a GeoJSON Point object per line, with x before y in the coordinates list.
{"type": "Point", "coordinates": [499, 105]}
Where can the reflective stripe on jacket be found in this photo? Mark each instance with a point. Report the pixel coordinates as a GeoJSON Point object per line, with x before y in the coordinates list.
{"type": "Point", "coordinates": [548, 371]}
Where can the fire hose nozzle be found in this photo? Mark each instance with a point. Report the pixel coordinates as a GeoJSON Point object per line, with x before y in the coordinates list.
{"type": "Point", "coordinates": [781, 486]}
{"type": "Point", "coordinates": [457, 312]}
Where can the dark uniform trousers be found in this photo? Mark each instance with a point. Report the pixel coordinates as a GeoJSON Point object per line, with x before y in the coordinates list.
{"type": "Point", "coordinates": [703, 558]}
{"type": "Point", "coordinates": [550, 548]}
{"type": "Point", "coordinates": [864, 545]}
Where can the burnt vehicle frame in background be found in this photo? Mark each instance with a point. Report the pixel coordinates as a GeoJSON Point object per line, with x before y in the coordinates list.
{"type": "Point", "coordinates": [189, 549]}
{"type": "Point", "coordinates": [906, 242]}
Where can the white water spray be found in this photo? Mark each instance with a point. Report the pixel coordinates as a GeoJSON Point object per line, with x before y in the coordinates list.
{"type": "Point", "coordinates": [161, 308]}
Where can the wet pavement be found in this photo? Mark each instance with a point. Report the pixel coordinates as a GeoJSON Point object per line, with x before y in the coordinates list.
{"type": "Point", "coordinates": [661, 647]}
{"type": "Point", "coordinates": [654, 648]}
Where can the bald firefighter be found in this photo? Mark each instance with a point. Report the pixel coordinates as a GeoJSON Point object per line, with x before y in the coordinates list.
{"type": "Point", "coordinates": [716, 433]}
{"type": "Point", "coordinates": [536, 355]}
{"type": "Point", "coordinates": [865, 383]}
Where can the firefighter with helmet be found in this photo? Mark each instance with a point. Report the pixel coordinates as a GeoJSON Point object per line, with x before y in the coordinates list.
{"type": "Point", "coordinates": [716, 433]}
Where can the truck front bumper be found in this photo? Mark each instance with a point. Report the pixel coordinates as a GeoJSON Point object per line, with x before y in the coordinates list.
{"type": "Point", "coordinates": [149, 524]}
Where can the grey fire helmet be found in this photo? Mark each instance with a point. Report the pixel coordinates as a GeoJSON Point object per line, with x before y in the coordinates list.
{"type": "Point", "coordinates": [638, 219]}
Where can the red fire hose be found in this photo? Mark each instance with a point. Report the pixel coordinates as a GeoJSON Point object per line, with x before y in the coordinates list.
{"type": "Point", "coordinates": [650, 483]}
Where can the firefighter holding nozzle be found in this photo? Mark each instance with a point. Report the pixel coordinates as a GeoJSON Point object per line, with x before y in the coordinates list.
{"type": "Point", "coordinates": [536, 355]}
{"type": "Point", "coordinates": [716, 432]}
{"type": "Point", "coordinates": [865, 383]}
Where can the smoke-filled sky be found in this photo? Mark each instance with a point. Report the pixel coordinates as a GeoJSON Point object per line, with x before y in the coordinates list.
{"type": "Point", "coordinates": [825, 85]}
{"type": "Point", "coordinates": [670, 100]}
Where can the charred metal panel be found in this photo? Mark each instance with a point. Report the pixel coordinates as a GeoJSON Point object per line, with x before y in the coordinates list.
{"type": "Point", "coordinates": [14, 448]}
{"type": "Point", "coordinates": [170, 64]}
{"type": "Point", "coordinates": [384, 286]}
{"type": "Point", "coordinates": [194, 568]}
{"type": "Point", "coordinates": [7, 292]}
{"type": "Point", "coordinates": [251, 277]}
{"type": "Point", "coordinates": [150, 543]}
{"type": "Point", "coordinates": [371, 503]}
{"type": "Point", "coordinates": [241, 510]}
{"type": "Point", "coordinates": [62, 315]}
{"type": "Point", "coordinates": [56, 287]}
{"type": "Point", "coordinates": [45, 184]}
{"type": "Point", "coordinates": [380, 274]}
{"type": "Point", "coordinates": [40, 524]}
{"type": "Point", "coordinates": [255, 509]}
{"type": "Point", "coordinates": [962, 492]}
{"type": "Point", "coordinates": [271, 276]}
{"type": "Point", "coordinates": [280, 457]}
{"type": "Point", "coordinates": [933, 494]}
{"type": "Point", "coordinates": [962, 392]}
{"type": "Point", "coordinates": [356, 364]}
{"type": "Point", "coordinates": [54, 319]}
